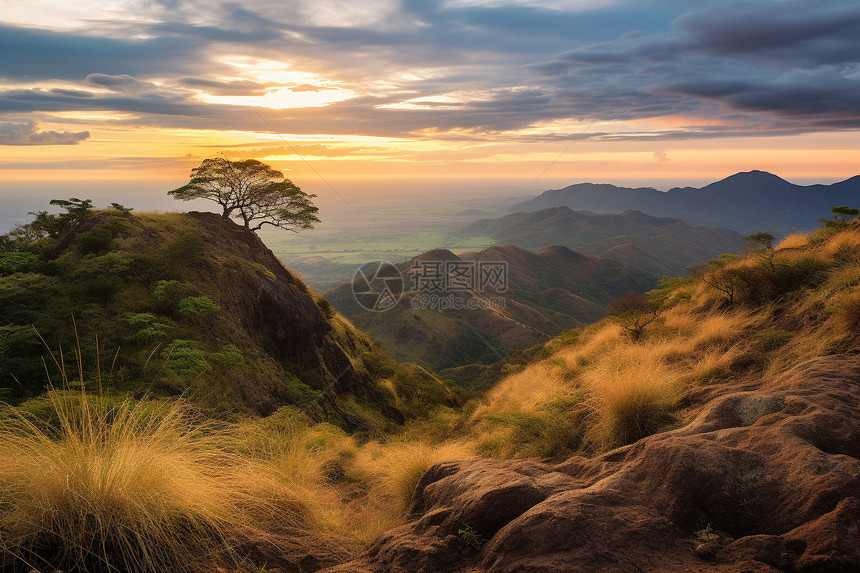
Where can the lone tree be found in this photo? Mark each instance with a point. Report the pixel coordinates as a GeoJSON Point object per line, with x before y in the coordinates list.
{"type": "Point", "coordinates": [844, 213]}
{"type": "Point", "coordinates": [633, 312]}
{"type": "Point", "coordinates": [251, 191]}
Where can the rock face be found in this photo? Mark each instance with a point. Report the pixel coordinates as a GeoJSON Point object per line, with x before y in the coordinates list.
{"type": "Point", "coordinates": [278, 305]}
{"type": "Point", "coordinates": [765, 478]}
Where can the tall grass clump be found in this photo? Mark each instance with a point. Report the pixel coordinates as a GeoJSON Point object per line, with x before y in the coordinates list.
{"type": "Point", "coordinates": [109, 490]}
{"type": "Point", "coordinates": [129, 486]}
{"type": "Point", "coordinates": [632, 392]}
{"type": "Point", "coordinates": [398, 466]}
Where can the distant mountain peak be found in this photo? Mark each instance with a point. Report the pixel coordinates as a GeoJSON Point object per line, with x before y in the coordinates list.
{"type": "Point", "coordinates": [754, 176]}
{"type": "Point", "coordinates": [746, 202]}
{"type": "Point", "coordinates": [436, 255]}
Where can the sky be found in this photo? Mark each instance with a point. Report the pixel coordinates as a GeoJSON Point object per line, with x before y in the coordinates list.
{"type": "Point", "coordinates": [383, 94]}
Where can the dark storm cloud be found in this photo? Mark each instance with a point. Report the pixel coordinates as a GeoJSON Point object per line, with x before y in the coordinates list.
{"type": "Point", "coordinates": [27, 133]}
{"type": "Point", "coordinates": [777, 59]}
{"type": "Point", "coordinates": [815, 33]}
{"type": "Point", "coordinates": [765, 66]}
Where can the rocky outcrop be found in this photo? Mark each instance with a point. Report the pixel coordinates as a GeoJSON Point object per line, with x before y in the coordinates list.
{"type": "Point", "coordinates": [276, 302]}
{"type": "Point", "coordinates": [264, 309]}
{"type": "Point", "coordinates": [765, 478]}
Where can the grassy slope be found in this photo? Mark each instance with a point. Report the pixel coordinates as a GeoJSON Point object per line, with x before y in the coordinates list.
{"type": "Point", "coordinates": [601, 389]}
{"type": "Point", "coordinates": [285, 477]}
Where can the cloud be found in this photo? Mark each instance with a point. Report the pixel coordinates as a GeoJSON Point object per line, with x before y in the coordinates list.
{"type": "Point", "coordinates": [764, 67]}
{"type": "Point", "coordinates": [118, 83]}
{"type": "Point", "coordinates": [226, 88]}
{"type": "Point", "coordinates": [27, 133]}
{"type": "Point", "coordinates": [786, 32]}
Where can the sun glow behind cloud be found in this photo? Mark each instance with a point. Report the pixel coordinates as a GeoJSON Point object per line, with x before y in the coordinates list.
{"type": "Point", "coordinates": [468, 88]}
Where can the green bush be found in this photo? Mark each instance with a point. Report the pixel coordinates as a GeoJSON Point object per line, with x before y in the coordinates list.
{"type": "Point", "coordinates": [93, 242]}
{"type": "Point", "coordinates": [764, 283]}
{"type": "Point", "coordinates": [184, 356]}
{"type": "Point", "coordinates": [325, 307]}
{"type": "Point", "coordinates": [147, 327]}
{"type": "Point", "coordinates": [543, 435]}
{"type": "Point", "coordinates": [197, 306]}
{"type": "Point", "coordinates": [231, 356]}
{"type": "Point", "coordinates": [14, 262]}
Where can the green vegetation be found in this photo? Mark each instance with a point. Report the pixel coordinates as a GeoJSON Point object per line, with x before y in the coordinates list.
{"type": "Point", "coordinates": [151, 454]}
{"type": "Point", "coordinates": [469, 537]}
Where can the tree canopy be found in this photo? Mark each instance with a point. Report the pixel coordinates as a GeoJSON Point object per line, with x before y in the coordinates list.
{"type": "Point", "coordinates": [252, 191]}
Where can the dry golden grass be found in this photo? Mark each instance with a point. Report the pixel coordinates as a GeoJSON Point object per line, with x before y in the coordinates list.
{"type": "Point", "coordinates": [723, 327]}
{"type": "Point", "coordinates": [793, 241]}
{"type": "Point", "coordinates": [844, 246]}
{"type": "Point", "coordinates": [398, 466]}
{"type": "Point", "coordinates": [806, 306]}
{"type": "Point", "coordinates": [112, 489]}
{"type": "Point", "coordinates": [631, 391]}
{"type": "Point", "coordinates": [525, 390]}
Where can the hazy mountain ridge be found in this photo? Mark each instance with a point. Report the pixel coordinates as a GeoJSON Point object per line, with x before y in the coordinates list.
{"type": "Point", "coordinates": [746, 202]}
{"type": "Point", "coordinates": [657, 245]}
{"type": "Point", "coordinates": [548, 292]}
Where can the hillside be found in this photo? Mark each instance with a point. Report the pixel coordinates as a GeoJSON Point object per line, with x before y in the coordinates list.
{"type": "Point", "coordinates": [190, 305]}
{"type": "Point", "coordinates": [745, 202]}
{"type": "Point", "coordinates": [657, 245]}
{"type": "Point", "coordinates": [724, 439]}
{"type": "Point", "coordinates": [547, 292]}
{"type": "Point", "coordinates": [721, 436]}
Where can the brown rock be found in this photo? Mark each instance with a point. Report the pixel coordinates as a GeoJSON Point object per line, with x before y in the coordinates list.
{"type": "Point", "coordinates": [768, 468]}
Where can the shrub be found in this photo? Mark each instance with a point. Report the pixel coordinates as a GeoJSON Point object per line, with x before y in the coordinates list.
{"type": "Point", "coordinates": [184, 356]}
{"type": "Point", "coordinates": [848, 307]}
{"type": "Point", "coordinates": [14, 262]}
{"type": "Point", "coordinates": [147, 327]}
{"type": "Point", "coordinates": [325, 307]}
{"type": "Point", "coordinates": [196, 306]}
{"type": "Point", "coordinates": [545, 434]}
{"type": "Point", "coordinates": [229, 355]}
{"type": "Point", "coordinates": [93, 242]}
{"type": "Point", "coordinates": [171, 291]}
{"type": "Point", "coordinates": [469, 537]}
{"type": "Point", "coordinates": [773, 339]}
{"type": "Point", "coordinates": [633, 312]}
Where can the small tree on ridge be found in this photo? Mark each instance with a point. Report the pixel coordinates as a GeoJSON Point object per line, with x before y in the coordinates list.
{"type": "Point", "coordinates": [252, 191]}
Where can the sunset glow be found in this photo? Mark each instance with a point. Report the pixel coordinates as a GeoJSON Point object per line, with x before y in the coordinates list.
{"type": "Point", "coordinates": [596, 90]}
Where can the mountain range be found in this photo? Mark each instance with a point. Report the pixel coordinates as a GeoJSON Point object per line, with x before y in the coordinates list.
{"type": "Point", "coordinates": [746, 202]}
{"type": "Point", "coordinates": [656, 245]}
{"type": "Point", "coordinates": [548, 292]}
